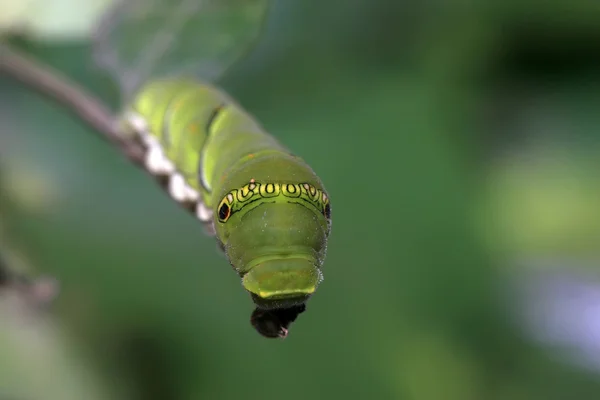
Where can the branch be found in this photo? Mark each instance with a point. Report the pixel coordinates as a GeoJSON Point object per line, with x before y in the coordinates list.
{"type": "Point", "coordinates": [18, 280]}
{"type": "Point", "coordinates": [77, 101]}
{"type": "Point", "coordinates": [16, 277]}
{"type": "Point", "coordinates": [88, 109]}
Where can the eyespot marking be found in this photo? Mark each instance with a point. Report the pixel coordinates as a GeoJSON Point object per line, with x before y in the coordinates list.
{"type": "Point", "coordinates": [302, 193]}
{"type": "Point", "coordinates": [224, 211]}
{"type": "Point", "coordinates": [291, 190]}
{"type": "Point", "coordinates": [269, 189]}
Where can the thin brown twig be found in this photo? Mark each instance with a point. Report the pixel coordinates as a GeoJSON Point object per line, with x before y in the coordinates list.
{"type": "Point", "coordinates": [76, 100]}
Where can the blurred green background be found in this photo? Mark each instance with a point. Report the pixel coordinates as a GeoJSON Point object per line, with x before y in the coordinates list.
{"type": "Point", "coordinates": [459, 145]}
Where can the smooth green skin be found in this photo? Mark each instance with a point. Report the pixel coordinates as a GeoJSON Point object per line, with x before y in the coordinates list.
{"type": "Point", "coordinates": [276, 244]}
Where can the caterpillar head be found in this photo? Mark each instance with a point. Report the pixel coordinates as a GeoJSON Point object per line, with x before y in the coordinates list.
{"type": "Point", "coordinates": [274, 234]}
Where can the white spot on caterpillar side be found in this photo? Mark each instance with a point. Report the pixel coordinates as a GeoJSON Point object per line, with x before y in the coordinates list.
{"type": "Point", "coordinates": [137, 122]}
{"type": "Point", "coordinates": [191, 194]}
{"type": "Point", "coordinates": [149, 140]}
{"type": "Point", "coordinates": [177, 187]}
{"type": "Point", "coordinates": [141, 128]}
{"type": "Point", "coordinates": [180, 190]}
{"type": "Point", "coordinates": [157, 163]}
{"type": "Point", "coordinates": [155, 160]}
{"type": "Point", "coordinates": [203, 213]}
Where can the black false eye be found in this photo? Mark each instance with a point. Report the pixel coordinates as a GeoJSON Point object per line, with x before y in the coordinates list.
{"type": "Point", "coordinates": [224, 212]}
{"type": "Point", "coordinates": [327, 212]}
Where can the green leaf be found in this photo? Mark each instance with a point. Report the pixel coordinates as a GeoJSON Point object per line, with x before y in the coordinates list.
{"type": "Point", "coordinates": [140, 39]}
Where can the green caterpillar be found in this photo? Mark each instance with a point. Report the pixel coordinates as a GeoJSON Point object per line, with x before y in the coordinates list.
{"type": "Point", "coordinates": [267, 209]}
